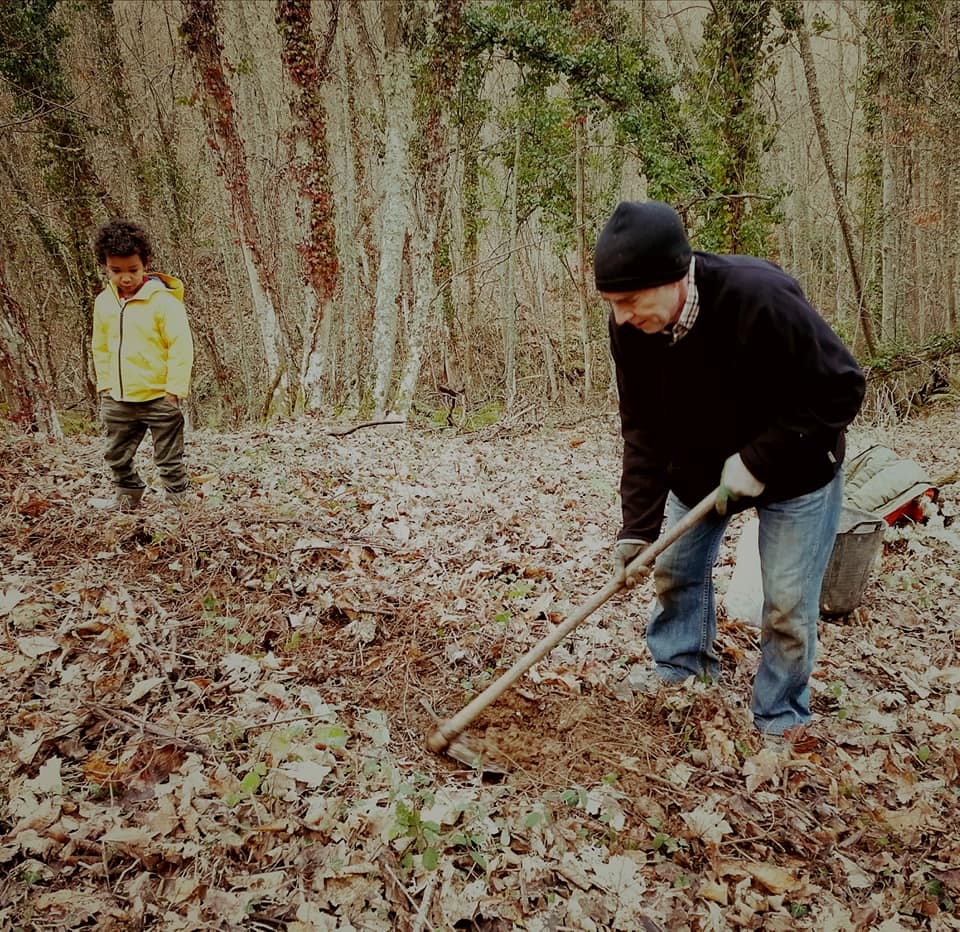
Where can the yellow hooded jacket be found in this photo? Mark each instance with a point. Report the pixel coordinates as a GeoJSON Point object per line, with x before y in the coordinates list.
{"type": "Point", "coordinates": [142, 347]}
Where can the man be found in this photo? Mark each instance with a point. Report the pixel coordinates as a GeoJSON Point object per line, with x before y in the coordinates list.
{"type": "Point", "coordinates": [727, 377]}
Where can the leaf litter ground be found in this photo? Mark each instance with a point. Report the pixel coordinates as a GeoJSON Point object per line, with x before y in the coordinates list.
{"type": "Point", "coordinates": [215, 719]}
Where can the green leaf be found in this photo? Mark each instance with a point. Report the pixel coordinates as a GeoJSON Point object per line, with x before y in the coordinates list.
{"type": "Point", "coordinates": [333, 736]}
{"type": "Point", "coordinates": [251, 782]}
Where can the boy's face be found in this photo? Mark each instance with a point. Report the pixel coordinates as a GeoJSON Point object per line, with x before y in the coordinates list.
{"type": "Point", "coordinates": [126, 272]}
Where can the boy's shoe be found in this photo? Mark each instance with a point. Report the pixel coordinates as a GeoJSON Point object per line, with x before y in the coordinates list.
{"type": "Point", "coordinates": [129, 498]}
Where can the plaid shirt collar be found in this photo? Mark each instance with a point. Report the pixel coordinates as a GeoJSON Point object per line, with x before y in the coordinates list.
{"type": "Point", "coordinates": [691, 307]}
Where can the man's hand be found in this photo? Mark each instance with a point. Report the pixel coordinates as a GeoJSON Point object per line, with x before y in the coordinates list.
{"type": "Point", "coordinates": [173, 399]}
{"type": "Point", "coordinates": [623, 552]}
{"type": "Point", "coordinates": [736, 481]}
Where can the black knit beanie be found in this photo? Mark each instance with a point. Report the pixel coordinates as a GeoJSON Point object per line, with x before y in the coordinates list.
{"type": "Point", "coordinates": [642, 245]}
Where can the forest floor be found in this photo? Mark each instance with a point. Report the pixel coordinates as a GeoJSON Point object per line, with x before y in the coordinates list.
{"type": "Point", "coordinates": [216, 719]}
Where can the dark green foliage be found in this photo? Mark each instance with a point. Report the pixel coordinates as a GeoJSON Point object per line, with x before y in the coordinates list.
{"type": "Point", "coordinates": [577, 64]}
{"type": "Point", "coordinates": [28, 54]}
{"type": "Point", "coordinates": [28, 60]}
{"type": "Point", "coordinates": [739, 212]}
{"type": "Point", "coordinates": [30, 35]}
{"type": "Point", "coordinates": [546, 166]}
{"type": "Point", "coordinates": [470, 111]}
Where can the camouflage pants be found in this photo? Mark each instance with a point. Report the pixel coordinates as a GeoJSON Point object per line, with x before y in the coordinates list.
{"type": "Point", "coordinates": [126, 424]}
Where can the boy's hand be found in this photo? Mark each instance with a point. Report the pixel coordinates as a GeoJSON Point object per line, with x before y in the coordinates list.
{"type": "Point", "coordinates": [172, 399]}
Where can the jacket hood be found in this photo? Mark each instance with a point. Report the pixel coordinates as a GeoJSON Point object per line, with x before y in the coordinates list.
{"type": "Point", "coordinates": [156, 281]}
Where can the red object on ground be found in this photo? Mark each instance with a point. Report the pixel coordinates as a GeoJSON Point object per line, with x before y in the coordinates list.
{"type": "Point", "coordinates": [911, 510]}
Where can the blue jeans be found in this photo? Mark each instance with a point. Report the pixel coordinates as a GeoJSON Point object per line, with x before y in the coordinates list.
{"type": "Point", "coordinates": [796, 539]}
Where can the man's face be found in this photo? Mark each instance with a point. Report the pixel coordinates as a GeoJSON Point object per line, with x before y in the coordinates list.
{"type": "Point", "coordinates": [650, 309]}
{"type": "Point", "coordinates": [126, 272]}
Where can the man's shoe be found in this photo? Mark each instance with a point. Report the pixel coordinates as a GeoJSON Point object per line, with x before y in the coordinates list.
{"type": "Point", "coordinates": [645, 680]}
{"type": "Point", "coordinates": [180, 499]}
{"type": "Point", "coordinates": [129, 498]}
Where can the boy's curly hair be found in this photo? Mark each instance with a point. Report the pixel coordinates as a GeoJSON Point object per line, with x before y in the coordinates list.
{"type": "Point", "coordinates": [123, 238]}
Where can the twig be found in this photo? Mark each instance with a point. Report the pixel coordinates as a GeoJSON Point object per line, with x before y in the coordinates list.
{"type": "Point", "coordinates": [350, 430]}
{"type": "Point", "coordinates": [131, 723]}
{"type": "Point", "coordinates": [420, 919]}
{"type": "Point", "coordinates": [382, 861]}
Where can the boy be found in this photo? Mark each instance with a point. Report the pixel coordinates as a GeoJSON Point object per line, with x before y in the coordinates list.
{"type": "Point", "coordinates": [142, 354]}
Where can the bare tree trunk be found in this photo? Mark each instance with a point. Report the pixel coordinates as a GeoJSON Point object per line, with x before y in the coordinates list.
{"type": "Point", "coordinates": [22, 385]}
{"type": "Point", "coordinates": [889, 234]}
{"type": "Point", "coordinates": [582, 260]}
{"type": "Point", "coordinates": [398, 117]}
{"type": "Point", "coordinates": [792, 14]}
{"type": "Point", "coordinates": [509, 301]}
{"type": "Point", "coordinates": [112, 62]}
{"type": "Point", "coordinates": [202, 32]}
{"type": "Point", "coordinates": [539, 282]}
{"type": "Point", "coordinates": [467, 290]}
{"type": "Point", "coordinates": [950, 279]}
{"type": "Point", "coordinates": [422, 251]}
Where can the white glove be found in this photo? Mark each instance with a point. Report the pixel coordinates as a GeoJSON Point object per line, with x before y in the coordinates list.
{"type": "Point", "coordinates": [736, 481]}
{"type": "Point", "coordinates": [623, 553]}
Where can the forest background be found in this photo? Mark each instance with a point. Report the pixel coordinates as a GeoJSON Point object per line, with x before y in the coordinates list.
{"type": "Point", "coordinates": [214, 718]}
{"type": "Point", "coordinates": [388, 209]}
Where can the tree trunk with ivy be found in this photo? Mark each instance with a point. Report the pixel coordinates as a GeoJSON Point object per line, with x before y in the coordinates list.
{"type": "Point", "coordinates": [398, 94]}
{"type": "Point", "coordinates": [430, 163]}
{"type": "Point", "coordinates": [737, 215]}
{"type": "Point", "coordinates": [344, 345]}
{"type": "Point", "coordinates": [307, 68]}
{"type": "Point", "coordinates": [201, 32]}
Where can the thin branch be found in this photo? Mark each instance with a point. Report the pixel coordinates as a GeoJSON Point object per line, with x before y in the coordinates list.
{"type": "Point", "coordinates": [350, 430]}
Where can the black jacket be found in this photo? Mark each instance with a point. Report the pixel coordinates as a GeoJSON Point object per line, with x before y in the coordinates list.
{"type": "Point", "coordinates": [760, 373]}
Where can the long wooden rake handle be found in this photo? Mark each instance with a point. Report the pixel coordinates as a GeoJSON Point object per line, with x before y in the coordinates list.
{"type": "Point", "coordinates": [640, 565]}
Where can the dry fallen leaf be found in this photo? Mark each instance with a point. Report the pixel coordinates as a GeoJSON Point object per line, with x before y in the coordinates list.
{"type": "Point", "coordinates": [277, 752]}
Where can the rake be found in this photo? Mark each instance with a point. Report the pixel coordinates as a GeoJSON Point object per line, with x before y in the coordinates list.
{"type": "Point", "coordinates": [448, 736]}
